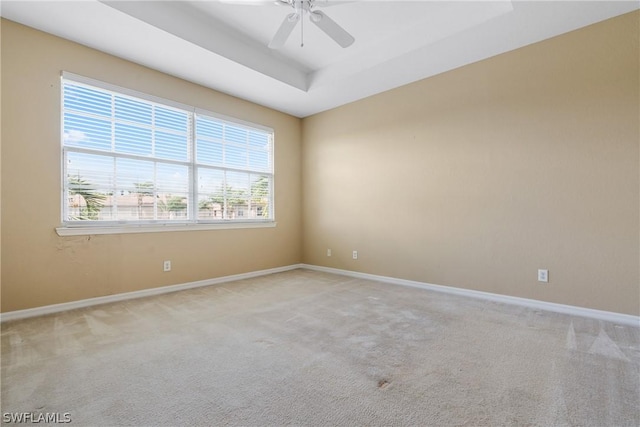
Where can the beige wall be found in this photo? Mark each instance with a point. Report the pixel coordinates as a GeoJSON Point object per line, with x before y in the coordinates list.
{"type": "Point", "coordinates": [41, 268]}
{"type": "Point", "coordinates": [477, 177]}
{"type": "Point", "coordinates": [474, 178]}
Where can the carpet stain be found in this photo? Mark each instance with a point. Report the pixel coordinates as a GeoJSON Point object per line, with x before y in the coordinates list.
{"type": "Point", "coordinates": [382, 384]}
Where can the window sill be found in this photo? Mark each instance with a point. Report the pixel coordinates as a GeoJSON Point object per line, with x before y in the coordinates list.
{"type": "Point", "coordinates": [85, 230]}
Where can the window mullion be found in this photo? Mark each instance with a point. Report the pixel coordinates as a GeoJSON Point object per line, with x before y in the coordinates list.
{"type": "Point", "coordinates": [225, 210]}
{"type": "Point", "coordinates": [65, 185]}
{"type": "Point", "coordinates": [193, 178]}
{"type": "Point", "coordinates": [114, 198]}
{"type": "Point", "coordinates": [153, 131]}
{"type": "Point", "coordinates": [113, 123]}
{"type": "Point", "coordinates": [154, 192]}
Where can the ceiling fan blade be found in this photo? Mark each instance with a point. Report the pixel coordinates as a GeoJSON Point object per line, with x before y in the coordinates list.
{"type": "Point", "coordinates": [284, 31]}
{"type": "Point", "coordinates": [329, 3]}
{"type": "Point", "coordinates": [248, 2]}
{"type": "Point", "coordinates": [332, 29]}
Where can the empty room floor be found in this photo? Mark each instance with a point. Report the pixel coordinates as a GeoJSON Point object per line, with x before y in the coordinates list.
{"type": "Point", "coordinates": [311, 348]}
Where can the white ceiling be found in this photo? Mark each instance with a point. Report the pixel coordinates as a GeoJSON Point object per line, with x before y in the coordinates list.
{"type": "Point", "coordinates": [223, 44]}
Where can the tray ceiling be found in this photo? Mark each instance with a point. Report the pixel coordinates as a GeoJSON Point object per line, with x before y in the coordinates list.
{"type": "Point", "coordinates": [223, 44]}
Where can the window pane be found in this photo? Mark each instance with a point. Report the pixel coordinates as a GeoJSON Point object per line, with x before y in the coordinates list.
{"type": "Point", "coordinates": [172, 178]}
{"type": "Point", "coordinates": [259, 160]}
{"type": "Point", "coordinates": [238, 194]}
{"type": "Point", "coordinates": [133, 140]}
{"type": "Point", "coordinates": [260, 187]}
{"type": "Point", "coordinates": [135, 190]}
{"type": "Point", "coordinates": [209, 153]}
{"type": "Point", "coordinates": [260, 192]}
{"type": "Point", "coordinates": [172, 206]}
{"type": "Point", "coordinates": [133, 111]}
{"type": "Point", "coordinates": [172, 120]}
{"type": "Point", "coordinates": [206, 127]}
{"type": "Point", "coordinates": [89, 186]}
{"type": "Point", "coordinates": [173, 191]}
{"type": "Point", "coordinates": [98, 170]}
{"type": "Point", "coordinates": [136, 176]}
{"type": "Point", "coordinates": [171, 146]}
{"type": "Point", "coordinates": [210, 194]}
{"type": "Point", "coordinates": [88, 132]}
{"type": "Point", "coordinates": [259, 141]}
{"type": "Point", "coordinates": [235, 134]}
{"type": "Point", "coordinates": [210, 181]}
{"type": "Point", "coordinates": [83, 99]}
{"type": "Point", "coordinates": [235, 156]}
{"type": "Point", "coordinates": [239, 181]}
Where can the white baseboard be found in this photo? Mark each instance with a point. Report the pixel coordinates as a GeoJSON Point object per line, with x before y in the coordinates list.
{"type": "Point", "coordinates": [624, 319]}
{"type": "Point", "coordinates": [48, 309]}
{"type": "Point", "coordinates": [619, 318]}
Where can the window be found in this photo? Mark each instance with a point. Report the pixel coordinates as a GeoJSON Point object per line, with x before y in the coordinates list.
{"type": "Point", "coordinates": [133, 159]}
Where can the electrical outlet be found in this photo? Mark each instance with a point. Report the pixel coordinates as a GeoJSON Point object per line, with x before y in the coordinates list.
{"type": "Point", "coordinates": [355, 254]}
{"type": "Point", "coordinates": [543, 276]}
{"type": "Point", "coordinates": [167, 266]}
{"type": "Point", "coordinates": [328, 252]}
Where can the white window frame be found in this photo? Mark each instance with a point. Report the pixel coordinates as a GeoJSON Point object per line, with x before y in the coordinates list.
{"type": "Point", "coordinates": [91, 227]}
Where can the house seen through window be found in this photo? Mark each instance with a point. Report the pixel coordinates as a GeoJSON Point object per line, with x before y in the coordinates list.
{"type": "Point", "coordinates": [134, 159]}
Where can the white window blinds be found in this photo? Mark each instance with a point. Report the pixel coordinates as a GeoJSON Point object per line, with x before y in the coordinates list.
{"type": "Point", "coordinates": [131, 159]}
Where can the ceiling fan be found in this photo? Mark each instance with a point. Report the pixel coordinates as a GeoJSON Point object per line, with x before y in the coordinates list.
{"type": "Point", "coordinates": [320, 19]}
{"type": "Point", "coordinates": [302, 8]}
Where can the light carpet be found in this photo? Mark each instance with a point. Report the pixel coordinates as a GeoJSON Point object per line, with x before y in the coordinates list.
{"type": "Point", "coordinates": [318, 349]}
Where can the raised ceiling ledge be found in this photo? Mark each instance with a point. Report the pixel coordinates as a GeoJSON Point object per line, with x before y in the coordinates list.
{"type": "Point", "coordinates": [224, 47]}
